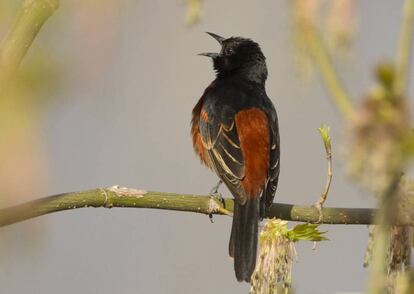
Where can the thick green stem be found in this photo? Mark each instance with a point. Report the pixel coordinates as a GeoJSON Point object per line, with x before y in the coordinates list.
{"type": "Point", "coordinates": [404, 50]}
{"type": "Point", "coordinates": [124, 197]}
{"type": "Point", "coordinates": [329, 75]}
{"type": "Point", "coordinates": [14, 46]}
{"type": "Point", "coordinates": [384, 219]}
{"type": "Point", "coordinates": [387, 211]}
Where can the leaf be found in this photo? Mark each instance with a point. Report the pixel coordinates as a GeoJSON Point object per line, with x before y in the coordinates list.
{"type": "Point", "coordinates": [306, 232]}
{"type": "Point", "coordinates": [324, 130]}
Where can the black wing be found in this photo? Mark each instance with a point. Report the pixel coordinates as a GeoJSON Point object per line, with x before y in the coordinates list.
{"type": "Point", "coordinates": [220, 138]}
{"type": "Point", "coordinates": [274, 166]}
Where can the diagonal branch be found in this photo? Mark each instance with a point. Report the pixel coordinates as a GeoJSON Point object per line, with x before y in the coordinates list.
{"type": "Point", "coordinates": [404, 50]}
{"type": "Point", "coordinates": [18, 40]}
{"type": "Point", "coordinates": [124, 197]}
{"type": "Point", "coordinates": [328, 73]}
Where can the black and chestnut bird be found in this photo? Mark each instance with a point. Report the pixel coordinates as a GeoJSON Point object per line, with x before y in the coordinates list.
{"type": "Point", "coordinates": [235, 132]}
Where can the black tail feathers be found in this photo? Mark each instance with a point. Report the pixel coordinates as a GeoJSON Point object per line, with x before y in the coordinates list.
{"type": "Point", "coordinates": [243, 238]}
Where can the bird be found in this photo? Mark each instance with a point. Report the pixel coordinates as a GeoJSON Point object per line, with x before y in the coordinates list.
{"type": "Point", "coordinates": [235, 132]}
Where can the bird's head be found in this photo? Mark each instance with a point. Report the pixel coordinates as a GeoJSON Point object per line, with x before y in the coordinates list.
{"type": "Point", "coordinates": [239, 57]}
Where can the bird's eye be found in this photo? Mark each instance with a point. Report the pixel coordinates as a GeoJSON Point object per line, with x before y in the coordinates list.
{"type": "Point", "coordinates": [228, 51]}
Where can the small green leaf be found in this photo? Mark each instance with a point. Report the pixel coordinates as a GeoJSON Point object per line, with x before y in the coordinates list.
{"type": "Point", "coordinates": [306, 232]}
{"type": "Point", "coordinates": [275, 228]}
{"type": "Point", "coordinates": [324, 131]}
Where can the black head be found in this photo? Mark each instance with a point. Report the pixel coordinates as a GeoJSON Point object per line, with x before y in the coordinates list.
{"type": "Point", "coordinates": [239, 57]}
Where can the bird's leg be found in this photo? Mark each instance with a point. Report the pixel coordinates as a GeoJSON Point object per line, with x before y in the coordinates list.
{"type": "Point", "coordinates": [215, 193]}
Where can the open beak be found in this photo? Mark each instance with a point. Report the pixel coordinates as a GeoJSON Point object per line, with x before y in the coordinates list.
{"type": "Point", "coordinates": [218, 39]}
{"type": "Point", "coordinates": [212, 55]}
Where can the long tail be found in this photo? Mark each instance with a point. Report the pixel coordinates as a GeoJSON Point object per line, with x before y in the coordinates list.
{"type": "Point", "coordinates": [243, 238]}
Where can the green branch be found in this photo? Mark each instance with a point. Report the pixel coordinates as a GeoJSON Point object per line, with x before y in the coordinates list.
{"type": "Point", "coordinates": [124, 197]}
{"type": "Point", "coordinates": [329, 75]}
{"type": "Point", "coordinates": [384, 218]}
{"type": "Point", "coordinates": [387, 212]}
{"type": "Point", "coordinates": [404, 50]}
{"type": "Point", "coordinates": [18, 40]}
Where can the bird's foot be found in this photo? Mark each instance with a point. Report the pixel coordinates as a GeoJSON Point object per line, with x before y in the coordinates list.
{"type": "Point", "coordinates": [215, 191]}
{"type": "Point", "coordinates": [217, 195]}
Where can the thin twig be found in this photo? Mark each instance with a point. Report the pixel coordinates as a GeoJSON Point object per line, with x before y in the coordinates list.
{"type": "Point", "coordinates": [126, 197]}
{"type": "Point", "coordinates": [324, 131]}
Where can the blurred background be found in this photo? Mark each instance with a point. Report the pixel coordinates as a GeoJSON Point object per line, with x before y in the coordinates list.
{"type": "Point", "coordinates": [105, 97]}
